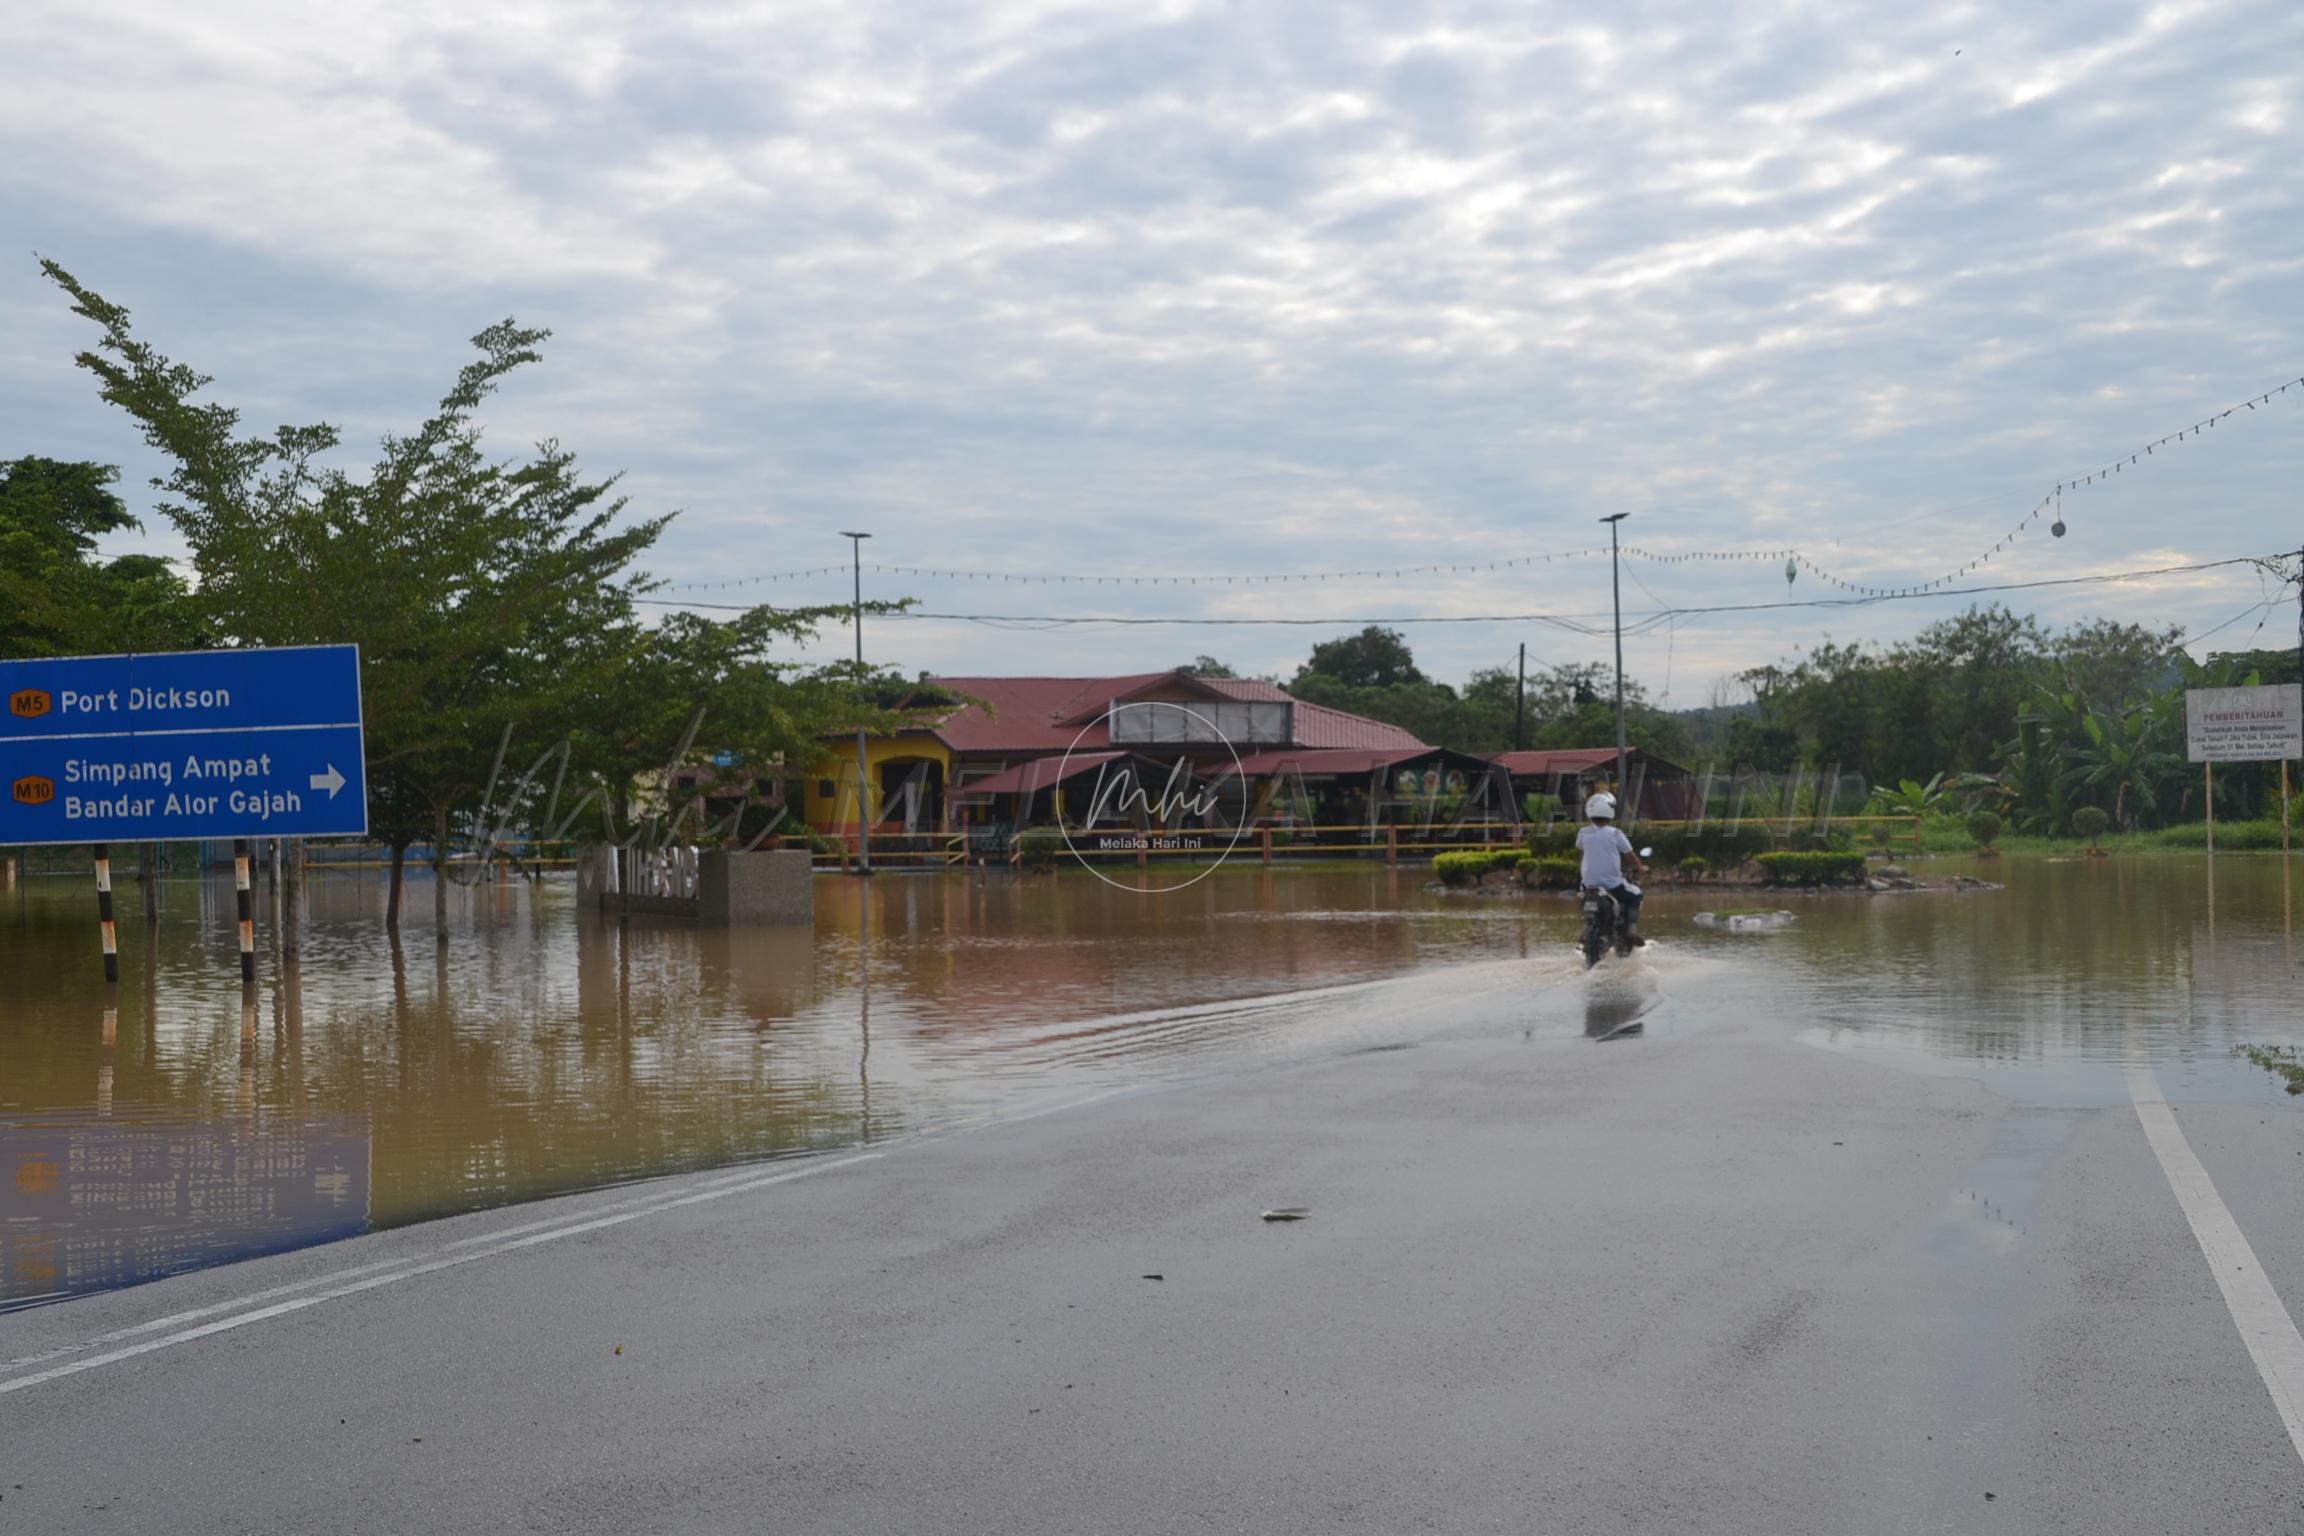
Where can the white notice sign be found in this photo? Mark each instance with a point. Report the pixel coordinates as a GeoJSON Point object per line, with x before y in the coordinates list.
{"type": "Point", "coordinates": [2244, 725]}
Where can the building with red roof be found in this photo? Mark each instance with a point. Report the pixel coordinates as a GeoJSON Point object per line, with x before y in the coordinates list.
{"type": "Point", "coordinates": [921, 775]}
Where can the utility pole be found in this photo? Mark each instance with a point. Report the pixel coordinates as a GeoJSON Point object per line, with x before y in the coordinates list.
{"type": "Point", "coordinates": [1616, 591]}
{"type": "Point", "coordinates": [863, 772]}
{"type": "Point", "coordinates": [1520, 704]}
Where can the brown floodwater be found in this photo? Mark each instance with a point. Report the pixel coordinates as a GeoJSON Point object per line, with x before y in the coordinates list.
{"type": "Point", "coordinates": [176, 1120]}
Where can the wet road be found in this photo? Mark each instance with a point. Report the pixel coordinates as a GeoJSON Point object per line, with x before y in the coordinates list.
{"type": "Point", "coordinates": [1703, 1277]}
{"type": "Point", "coordinates": [540, 1051]}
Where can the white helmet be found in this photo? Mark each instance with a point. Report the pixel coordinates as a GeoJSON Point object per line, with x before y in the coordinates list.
{"type": "Point", "coordinates": [1601, 807]}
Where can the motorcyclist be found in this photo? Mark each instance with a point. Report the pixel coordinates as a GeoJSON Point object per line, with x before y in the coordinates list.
{"type": "Point", "coordinates": [1607, 853]}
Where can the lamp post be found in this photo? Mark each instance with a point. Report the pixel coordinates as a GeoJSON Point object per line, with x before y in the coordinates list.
{"type": "Point", "coordinates": [1616, 592]}
{"type": "Point", "coordinates": [863, 771]}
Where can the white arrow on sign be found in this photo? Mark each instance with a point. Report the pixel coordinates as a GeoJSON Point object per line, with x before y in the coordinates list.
{"type": "Point", "coordinates": [330, 781]}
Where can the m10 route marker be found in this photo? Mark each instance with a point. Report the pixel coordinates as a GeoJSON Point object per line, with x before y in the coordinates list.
{"type": "Point", "coordinates": [182, 746]}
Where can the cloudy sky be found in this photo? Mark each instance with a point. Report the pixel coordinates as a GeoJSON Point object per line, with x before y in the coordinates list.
{"type": "Point", "coordinates": [1182, 289]}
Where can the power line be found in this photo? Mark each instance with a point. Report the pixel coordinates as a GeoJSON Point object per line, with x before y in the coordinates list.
{"type": "Point", "coordinates": [1571, 622]}
{"type": "Point", "coordinates": [1794, 560]}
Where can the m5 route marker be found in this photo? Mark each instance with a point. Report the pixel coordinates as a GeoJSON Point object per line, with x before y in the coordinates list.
{"type": "Point", "coordinates": [183, 746]}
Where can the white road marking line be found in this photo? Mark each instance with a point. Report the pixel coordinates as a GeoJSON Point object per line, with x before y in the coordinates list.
{"type": "Point", "coordinates": [590, 1223]}
{"type": "Point", "coordinates": [2265, 1327]}
{"type": "Point", "coordinates": [116, 1335]}
{"type": "Point", "coordinates": [649, 1196]}
{"type": "Point", "coordinates": [173, 1318]}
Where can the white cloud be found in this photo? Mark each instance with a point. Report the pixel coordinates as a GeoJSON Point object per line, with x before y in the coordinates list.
{"type": "Point", "coordinates": [1290, 286]}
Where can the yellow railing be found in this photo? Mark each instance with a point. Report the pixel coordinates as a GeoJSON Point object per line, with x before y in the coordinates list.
{"type": "Point", "coordinates": [1291, 840]}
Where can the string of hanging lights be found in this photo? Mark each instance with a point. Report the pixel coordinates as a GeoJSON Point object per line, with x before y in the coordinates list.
{"type": "Point", "coordinates": [1794, 561]}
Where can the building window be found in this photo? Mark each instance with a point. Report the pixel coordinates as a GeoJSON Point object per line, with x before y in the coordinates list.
{"type": "Point", "coordinates": [824, 788]}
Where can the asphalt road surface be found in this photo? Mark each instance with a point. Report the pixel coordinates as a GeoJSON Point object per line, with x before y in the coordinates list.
{"type": "Point", "coordinates": [1705, 1278]}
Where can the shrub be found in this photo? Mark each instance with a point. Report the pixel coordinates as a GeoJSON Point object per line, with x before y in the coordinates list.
{"type": "Point", "coordinates": [1722, 845]}
{"type": "Point", "coordinates": [1881, 833]}
{"type": "Point", "coordinates": [1984, 826]}
{"type": "Point", "coordinates": [2090, 821]}
{"type": "Point", "coordinates": [1038, 846]}
{"type": "Point", "coordinates": [1812, 868]}
{"type": "Point", "coordinates": [1460, 868]}
{"type": "Point", "coordinates": [1545, 841]}
{"type": "Point", "coordinates": [1693, 866]}
{"type": "Point", "coordinates": [1553, 872]}
{"type": "Point", "coordinates": [1468, 865]}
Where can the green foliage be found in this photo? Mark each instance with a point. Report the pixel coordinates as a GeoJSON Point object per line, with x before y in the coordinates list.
{"type": "Point", "coordinates": [1693, 866]}
{"type": "Point", "coordinates": [2231, 836]}
{"type": "Point", "coordinates": [1374, 658]}
{"type": "Point", "coordinates": [1553, 872]}
{"type": "Point", "coordinates": [1909, 798]}
{"type": "Point", "coordinates": [2090, 822]}
{"type": "Point", "coordinates": [1038, 847]}
{"type": "Point", "coordinates": [1984, 827]}
{"type": "Point", "coordinates": [1947, 700]}
{"type": "Point", "coordinates": [1466, 867]}
{"type": "Point", "coordinates": [493, 599]}
{"type": "Point", "coordinates": [2282, 1061]}
{"type": "Point", "coordinates": [57, 598]}
{"type": "Point", "coordinates": [1814, 868]}
{"type": "Point", "coordinates": [1374, 674]}
{"type": "Point", "coordinates": [1721, 845]}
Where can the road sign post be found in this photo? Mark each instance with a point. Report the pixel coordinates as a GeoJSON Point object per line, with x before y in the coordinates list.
{"type": "Point", "coordinates": [183, 746]}
{"type": "Point", "coordinates": [2257, 724]}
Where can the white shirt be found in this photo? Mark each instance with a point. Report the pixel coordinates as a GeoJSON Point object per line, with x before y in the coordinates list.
{"type": "Point", "coordinates": [1603, 849]}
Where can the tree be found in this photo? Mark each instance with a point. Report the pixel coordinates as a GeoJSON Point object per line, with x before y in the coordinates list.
{"type": "Point", "coordinates": [1979, 666]}
{"type": "Point", "coordinates": [492, 600]}
{"type": "Point", "coordinates": [697, 692]}
{"type": "Point", "coordinates": [57, 598]}
{"type": "Point", "coordinates": [1373, 658]}
{"type": "Point", "coordinates": [1429, 711]}
{"type": "Point", "coordinates": [1575, 706]}
{"type": "Point", "coordinates": [2111, 665]}
{"type": "Point", "coordinates": [1207, 666]}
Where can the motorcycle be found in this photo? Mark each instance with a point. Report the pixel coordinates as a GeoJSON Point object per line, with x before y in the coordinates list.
{"type": "Point", "coordinates": [1604, 926]}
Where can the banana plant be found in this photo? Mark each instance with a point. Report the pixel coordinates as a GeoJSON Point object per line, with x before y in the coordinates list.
{"type": "Point", "coordinates": [1910, 798]}
{"type": "Point", "coordinates": [2032, 764]}
{"type": "Point", "coordinates": [2127, 756]}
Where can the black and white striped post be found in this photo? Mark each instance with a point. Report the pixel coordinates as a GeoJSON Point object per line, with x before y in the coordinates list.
{"type": "Point", "coordinates": [104, 913]}
{"type": "Point", "coordinates": [247, 917]}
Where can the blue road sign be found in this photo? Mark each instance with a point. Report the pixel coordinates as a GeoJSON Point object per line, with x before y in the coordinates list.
{"type": "Point", "coordinates": [182, 746]}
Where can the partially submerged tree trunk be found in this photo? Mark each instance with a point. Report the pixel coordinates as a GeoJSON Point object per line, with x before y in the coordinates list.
{"type": "Point", "coordinates": [392, 901]}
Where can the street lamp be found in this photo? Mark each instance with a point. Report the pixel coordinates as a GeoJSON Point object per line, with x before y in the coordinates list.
{"type": "Point", "coordinates": [1616, 590]}
{"type": "Point", "coordinates": [863, 771]}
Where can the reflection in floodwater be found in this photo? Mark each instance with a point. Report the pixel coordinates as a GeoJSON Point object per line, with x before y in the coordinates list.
{"type": "Point", "coordinates": [542, 1049]}
{"type": "Point", "coordinates": [1614, 1007]}
{"type": "Point", "coordinates": [89, 1205]}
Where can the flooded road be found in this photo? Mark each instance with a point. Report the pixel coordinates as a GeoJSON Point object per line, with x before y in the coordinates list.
{"type": "Point", "coordinates": [541, 1050]}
